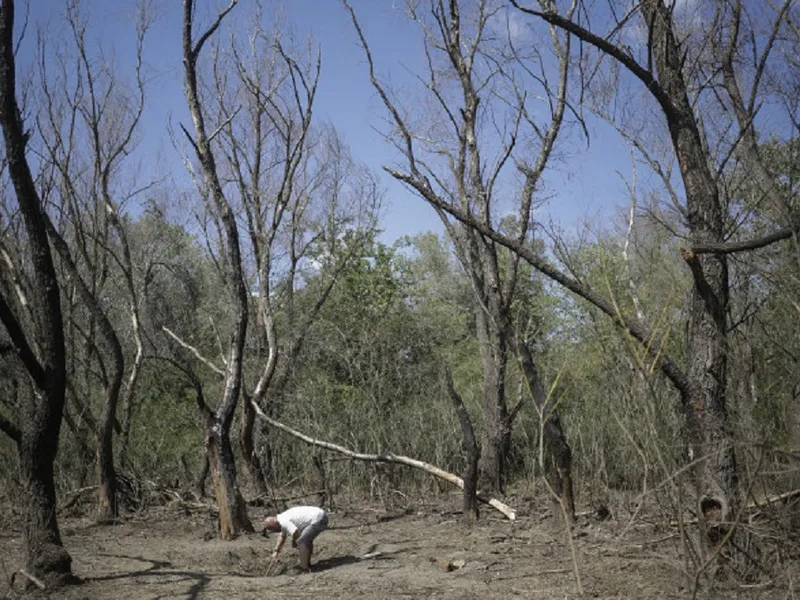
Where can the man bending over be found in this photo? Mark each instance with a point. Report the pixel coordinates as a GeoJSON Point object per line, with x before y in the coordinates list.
{"type": "Point", "coordinates": [303, 524]}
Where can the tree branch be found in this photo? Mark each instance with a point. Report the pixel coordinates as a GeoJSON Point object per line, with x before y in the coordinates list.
{"type": "Point", "coordinates": [194, 351]}
{"type": "Point", "coordinates": [20, 343]}
{"type": "Point", "coordinates": [643, 74]}
{"type": "Point", "coordinates": [754, 244]}
{"type": "Point", "coordinates": [651, 342]}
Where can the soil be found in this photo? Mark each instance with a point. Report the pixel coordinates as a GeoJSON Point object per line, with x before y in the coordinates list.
{"type": "Point", "coordinates": [369, 553]}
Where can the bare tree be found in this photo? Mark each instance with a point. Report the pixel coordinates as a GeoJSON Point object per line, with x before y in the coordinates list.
{"type": "Point", "coordinates": [217, 422]}
{"type": "Point", "coordinates": [481, 129]}
{"type": "Point", "coordinates": [308, 208]}
{"type": "Point", "coordinates": [30, 309]}
{"type": "Point", "coordinates": [682, 72]}
{"type": "Point", "coordinates": [90, 113]}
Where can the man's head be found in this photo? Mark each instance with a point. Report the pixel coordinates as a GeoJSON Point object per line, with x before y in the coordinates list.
{"type": "Point", "coordinates": [271, 524]}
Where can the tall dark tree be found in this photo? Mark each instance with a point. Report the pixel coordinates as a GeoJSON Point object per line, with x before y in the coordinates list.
{"type": "Point", "coordinates": [90, 122]}
{"type": "Point", "coordinates": [31, 313]}
{"type": "Point", "coordinates": [679, 74]}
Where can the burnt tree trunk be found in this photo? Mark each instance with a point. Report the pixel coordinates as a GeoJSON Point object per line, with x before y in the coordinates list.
{"type": "Point", "coordinates": [217, 424]}
{"type": "Point", "coordinates": [46, 557]}
{"type": "Point", "coordinates": [107, 506]}
{"type": "Point", "coordinates": [711, 436]}
{"type": "Point", "coordinates": [200, 482]}
{"type": "Point", "coordinates": [702, 385]}
{"type": "Point", "coordinates": [43, 384]}
{"type": "Point", "coordinates": [232, 508]}
{"type": "Point", "coordinates": [470, 444]}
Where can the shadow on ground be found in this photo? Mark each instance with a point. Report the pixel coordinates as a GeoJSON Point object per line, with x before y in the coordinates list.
{"type": "Point", "coordinates": [331, 563]}
{"type": "Point", "coordinates": [158, 568]}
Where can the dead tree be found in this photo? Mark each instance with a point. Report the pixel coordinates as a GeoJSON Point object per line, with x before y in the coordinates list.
{"type": "Point", "coordinates": [90, 115]}
{"type": "Point", "coordinates": [390, 457]}
{"type": "Point", "coordinates": [458, 157]}
{"type": "Point", "coordinates": [678, 76]}
{"type": "Point", "coordinates": [217, 422]}
{"type": "Point", "coordinates": [30, 310]}
{"type": "Point", "coordinates": [286, 173]}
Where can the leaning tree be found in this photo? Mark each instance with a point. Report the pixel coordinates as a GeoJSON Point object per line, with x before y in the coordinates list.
{"type": "Point", "coordinates": [30, 309]}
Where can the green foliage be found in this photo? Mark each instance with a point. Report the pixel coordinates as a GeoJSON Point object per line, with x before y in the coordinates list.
{"type": "Point", "coordinates": [166, 428]}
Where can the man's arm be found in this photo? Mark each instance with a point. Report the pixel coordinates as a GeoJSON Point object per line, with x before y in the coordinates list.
{"type": "Point", "coordinates": [279, 545]}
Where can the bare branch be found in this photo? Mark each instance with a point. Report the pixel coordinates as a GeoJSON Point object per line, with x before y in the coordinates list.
{"type": "Point", "coordinates": [194, 351]}
{"type": "Point", "coordinates": [650, 341]}
{"type": "Point", "coordinates": [746, 245]}
{"type": "Point", "coordinates": [645, 75]}
{"type": "Point", "coordinates": [188, 16]}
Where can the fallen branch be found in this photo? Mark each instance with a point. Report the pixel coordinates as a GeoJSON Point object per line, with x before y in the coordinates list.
{"type": "Point", "coordinates": [35, 580]}
{"type": "Point", "coordinates": [285, 498]}
{"type": "Point", "coordinates": [75, 496]}
{"type": "Point", "coordinates": [752, 505]}
{"type": "Point", "coordinates": [388, 457]}
{"type": "Point", "coordinates": [774, 499]}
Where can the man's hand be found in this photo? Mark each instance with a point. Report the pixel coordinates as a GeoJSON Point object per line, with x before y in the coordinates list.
{"type": "Point", "coordinates": [279, 545]}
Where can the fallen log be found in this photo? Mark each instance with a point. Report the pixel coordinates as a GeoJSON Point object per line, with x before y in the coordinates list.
{"type": "Point", "coordinates": [387, 457]}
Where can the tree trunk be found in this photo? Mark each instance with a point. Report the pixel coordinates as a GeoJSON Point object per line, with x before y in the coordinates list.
{"type": "Point", "coordinates": [44, 383]}
{"type": "Point", "coordinates": [200, 483]}
{"type": "Point", "coordinates": [107, 506]}
{"type": "Point", "coordinates": [556, 459]}
{"type": "Point", "coordinates": [85, 456]}
{"type": "Point", "coordinates": [496, 434]}
{"type": "Point", "coordinates": [247, 446]}
{"type": "Point", "coordinates": [232, 508]}
{"type": "Point", "coordinates": [711, 437]}
{"type": "Point", "coordinates": [46, 557]}
{"type": "Point", "coordinates": [470, 444]}
{"type": "Point", "coordinates": [217, 425]}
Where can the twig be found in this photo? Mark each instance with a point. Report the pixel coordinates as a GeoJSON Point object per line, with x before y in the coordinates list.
{"type": "Point", "coordinates": [271, 564]}
{"type": "Point", "coordinates": [286, 499]}
{"type": "Point", "coordinates": [35, 580]}
{"type": "Point", "coordinates": [773, 499]}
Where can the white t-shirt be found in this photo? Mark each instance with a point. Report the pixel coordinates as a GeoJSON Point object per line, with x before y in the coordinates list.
{"type": "Point", "coordinates": [299, 517]}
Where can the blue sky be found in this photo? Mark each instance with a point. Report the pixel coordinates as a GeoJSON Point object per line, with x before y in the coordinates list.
{"type": "Point", "coordinates": [584, 186]}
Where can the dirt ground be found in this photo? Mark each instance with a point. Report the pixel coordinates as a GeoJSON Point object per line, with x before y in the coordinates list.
{"type": "Point", "coordinates": [421, 553]}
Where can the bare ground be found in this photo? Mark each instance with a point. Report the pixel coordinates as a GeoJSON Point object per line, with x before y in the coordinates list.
{"type": "Point", "coordinates": [422, 553]}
